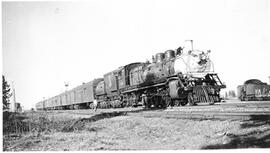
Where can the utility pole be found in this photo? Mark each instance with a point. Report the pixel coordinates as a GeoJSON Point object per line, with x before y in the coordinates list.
{"type": "Point", "coordinates": [13, 104]}
{"type": "Point", "coordinates": [66, 85]}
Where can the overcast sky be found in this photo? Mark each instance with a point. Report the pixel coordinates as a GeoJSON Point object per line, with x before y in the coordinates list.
{"type": "Point", "coordinates": [48, 43]}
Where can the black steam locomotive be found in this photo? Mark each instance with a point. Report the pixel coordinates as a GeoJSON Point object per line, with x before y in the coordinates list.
{"type": "Point", "coordinates": [253, 89]}
{"type": "Point", "coordinates": [172, 78]}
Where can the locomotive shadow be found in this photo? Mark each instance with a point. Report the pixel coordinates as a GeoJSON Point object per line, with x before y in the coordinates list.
{"type": "Point", "coordinates": [256, 138]}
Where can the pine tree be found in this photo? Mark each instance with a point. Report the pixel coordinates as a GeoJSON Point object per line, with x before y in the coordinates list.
{"type": "Point", "coordinates": [233, 94]}
{"type": "Point", "coordinates": [6, 93]}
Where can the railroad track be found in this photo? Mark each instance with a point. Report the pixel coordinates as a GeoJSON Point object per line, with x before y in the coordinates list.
{"type": "Point", "coordinates": [236, 110]}
{"type": "Point", "coordinates": [198, 115]}
{"type": "Point", "coordinates": [205, 115]}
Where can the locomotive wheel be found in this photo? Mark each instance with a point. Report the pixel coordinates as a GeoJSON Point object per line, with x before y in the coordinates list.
{"type": "Point", "coordinates": [176, 102]}
{"type": "Point", "coordinates": [71, 107]}
{"type": "Point", "coordinates": [183, 103]}
{"type": "Point", "coordinates": [124, 103]}
{"type": "Point", "coordinates": [168, 102]}
{"type": "Point", "coordinates": [241, 98]}
{"type": "Point", "coordinates": [211, 103]}
{"type": "Point", "coordinates": [156, 101]}
{"type": "Point", "coordinates": [91, 106]}
{"type": "Point", "coordinates": [165, 102]}
{"type": "Point", "coordinates": [219, 98]}
{"type": "Point", "coordinates": [148, 103]}
{"type": "Point", "coordinates": [190, 99]}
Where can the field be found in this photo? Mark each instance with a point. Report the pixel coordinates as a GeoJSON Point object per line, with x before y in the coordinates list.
{"type": "Point", "coordinates": [135, 129]}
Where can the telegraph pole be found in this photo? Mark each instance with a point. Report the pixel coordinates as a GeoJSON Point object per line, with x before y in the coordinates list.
{"type": "Point", "coordinates": [13, 104]}
{"type": "Point", "coordinates": [66, 85]}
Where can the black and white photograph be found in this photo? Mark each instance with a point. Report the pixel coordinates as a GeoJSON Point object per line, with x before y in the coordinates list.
{"type": "Point", "coordinates": [139, 75]}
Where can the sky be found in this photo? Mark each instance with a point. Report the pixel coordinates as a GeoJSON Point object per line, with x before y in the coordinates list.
{"type": "Point", "coordinates": [45, 44]}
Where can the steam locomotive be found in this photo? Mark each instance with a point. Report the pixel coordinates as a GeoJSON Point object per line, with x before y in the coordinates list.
{"type": "Point", "coordinates": [253, 89]}
{"type": "Point", "coordinates": [172, 78]}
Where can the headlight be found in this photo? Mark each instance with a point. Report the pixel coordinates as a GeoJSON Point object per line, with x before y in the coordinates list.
{"type": "Point", "coordinates": [202, 56]}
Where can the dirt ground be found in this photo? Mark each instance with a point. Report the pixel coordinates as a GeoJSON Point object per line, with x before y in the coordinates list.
{"type": "Point", "coordinates": [122, 131]}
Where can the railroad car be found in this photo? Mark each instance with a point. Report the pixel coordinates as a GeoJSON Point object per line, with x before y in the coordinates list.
{"type": "Point", "coordinates": [79, 97]}
{"type": "Point", "coordinates": [40, 105]}
{"type": "Point", "coordinates": [253, 89]}
{"type": "Point", "coordinates": [172, 78]}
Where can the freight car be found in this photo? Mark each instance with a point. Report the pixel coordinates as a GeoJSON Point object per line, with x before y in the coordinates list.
{"type": "Point", "coordinates": [172, 78]}
{"type": "Point", "coordinates": [253, 89]}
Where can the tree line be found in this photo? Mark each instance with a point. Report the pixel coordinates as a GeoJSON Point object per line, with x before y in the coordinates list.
{"type": "Point", "coordinates": [230, 93]}
{"type": "Point", "coordinates": [6, 94]}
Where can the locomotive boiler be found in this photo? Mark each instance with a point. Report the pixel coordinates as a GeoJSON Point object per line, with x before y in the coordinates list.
{"type": "Point", "coordinates": [173, 77]}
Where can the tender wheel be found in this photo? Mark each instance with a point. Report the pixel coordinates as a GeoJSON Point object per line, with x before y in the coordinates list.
{"type": "Point", "coordinates": [190, 99]}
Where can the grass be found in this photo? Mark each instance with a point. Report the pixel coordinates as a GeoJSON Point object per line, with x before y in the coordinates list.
{"type": "Point", "coordinates": [60, 131]}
